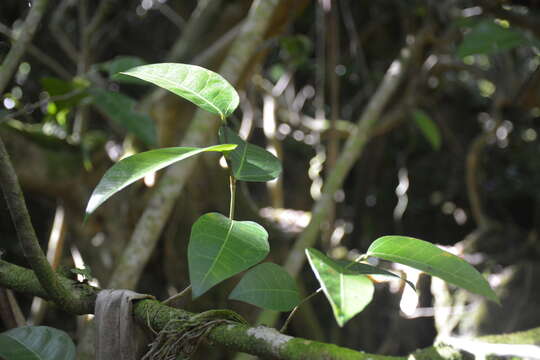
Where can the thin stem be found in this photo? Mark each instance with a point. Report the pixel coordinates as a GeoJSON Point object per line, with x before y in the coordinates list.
{"type": "Point", "coordinates": [176, 296]}
{"type": "Point", "coordinates": [291, 314]}
{"type": "Point", "coordinates": [232, 182]}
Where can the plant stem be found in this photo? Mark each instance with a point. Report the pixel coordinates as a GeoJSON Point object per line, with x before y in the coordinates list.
{"type": "Point", "coordinates": [176, 296]}
{"type": "Point", "coordinates": [232, 182]}
{"type": "Point", "coordinates": [291, 314]}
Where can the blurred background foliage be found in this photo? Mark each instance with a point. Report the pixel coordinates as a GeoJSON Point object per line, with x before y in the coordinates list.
{"type": "Point", "coordinates": [454, 159]}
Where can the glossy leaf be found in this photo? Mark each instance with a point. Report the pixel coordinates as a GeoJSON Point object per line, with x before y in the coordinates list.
{"type": "Point", "coordinates": [347, 291]}
{"type": "Point", "coordinates": [202, 87]}
{"type": "Point", "coordinates": [427, 257]}
{"type": "Point", "coordinates": [367, 269]}
{"type": "Point", "coordinates": [428, 128]}
{"type": "Point", "coordinates": [36, 343]}
{"type": "Point", "coordinates": [249, 162]}
{"type": "Point", "coordinates": [488, 37]}
{"type": "Point", "coordinates": [268, 286]}
{"type": "Point", "coordinates": [121, 109]}
{"type": "Point", "coordinates": [220, 248]}
{"type": "Point", "coordinates": [135, 167]}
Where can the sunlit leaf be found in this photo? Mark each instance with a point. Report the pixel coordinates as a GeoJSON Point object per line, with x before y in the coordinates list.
{"type": "Point", "coordinates": [220, 248]}
{"type": "Point", "coordinates": [347, 291]}
{"type": "Point", "coordinates": [428, 128]}
{"type": "Point", "coordinates": [268, 286]}
{"type": "Point", "coordinates": [36, 343]}
{"type": "Point", "coordinates": [488, 37]}
{"type": "Point", "coordinates": [121, 109]}
{"type": "Point", "coordinates": [249, 162]}
{"type": "Point", "coordinates": [202, 87]}
{"type": "Point", "coordinates": [367, 269]}
{"type": "Point", "coordinates": [427, 257]}
{"type": "Point", "coordinates": [137, 166]}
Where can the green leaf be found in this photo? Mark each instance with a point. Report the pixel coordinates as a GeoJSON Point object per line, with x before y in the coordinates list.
{"type": "Point", "coordinates": [249, 162]}
{"type": "Point", "coordinates": [428, 128]}
{"type": "Point", "coordinates": [36, 343]}
{"type": "Point", "coordinates": [202, 87]}
{"type": "Point", "coordinates": [427, 257]}
{"type": "Point", "coordinates": [367, 269]}
{"type": "Point", "coordinates": [220, 248]}
{"type": "Point", "coordinates": [121, 109]}
{"type": "Point", "coordinates": [58, 87]}
{"type": "Point", "coordinates": [122, 63]}
{"type": "Point", "coordinates": [268, 286]}
{"type": "Point", "coordinates": [488, 37]}
{"type": "Point", "coordinates": [347, 291]}
{"type": "Point", "coordinates": [135, 167]}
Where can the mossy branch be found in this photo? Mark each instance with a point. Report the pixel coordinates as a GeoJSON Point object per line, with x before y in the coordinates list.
{"type": "Point", "coordinates": [27, 237]}
{"type": "Point", "coordinates": [261, 341]}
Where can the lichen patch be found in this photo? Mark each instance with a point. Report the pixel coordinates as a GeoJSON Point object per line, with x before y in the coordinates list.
{"type": "Point", "coordinates": [271, 336]}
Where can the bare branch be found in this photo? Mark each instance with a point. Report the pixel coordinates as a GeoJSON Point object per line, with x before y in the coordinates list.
{"type": "Point", "coordinates": [21, 43]}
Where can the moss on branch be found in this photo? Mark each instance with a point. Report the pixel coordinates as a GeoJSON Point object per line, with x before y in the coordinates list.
{"type": "Point", "coordinates": [261, 341]}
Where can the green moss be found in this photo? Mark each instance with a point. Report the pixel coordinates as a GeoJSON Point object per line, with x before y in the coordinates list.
{"type": "Point", "coordinates": [529, 337]}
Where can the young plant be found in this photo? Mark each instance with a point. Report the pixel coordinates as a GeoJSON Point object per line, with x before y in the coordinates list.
{"type": "Point", "coordinates": [221, 247]}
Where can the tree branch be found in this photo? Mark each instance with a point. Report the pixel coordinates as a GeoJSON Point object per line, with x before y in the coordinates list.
{"type": "Point", "coordinates": [39, 55]}
{"type": "Point", "coordinates": [21, 42]}
{"type": "Point", "coordinates": [261, 341]}
{"type": "Point", "coordinates": [27, 236]}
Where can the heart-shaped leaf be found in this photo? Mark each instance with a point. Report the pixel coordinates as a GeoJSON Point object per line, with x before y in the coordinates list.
{"type": "Point", "coordinates": [268, 286]}
{"type": "Point", "coordinates": [347, 291]}
{"type": "Point", "coordinates": [427, 257]}
{"type": "Point", "coordinates": [135, 167]}
{"type": "Point", "coordinates": [249, 162]}
{"type": "Point", "coordinates": [220, 248]}
{"type": "Point", "coordinates": [367, 269]}
{"type": "Point", "coordinates": [121, 109]}
{"type": "Point", "coordinates": [428, 128]}
{"type": "Point", "coordinates": [202, 87]}
{"type": "Point", "coordinates": [36, 343]}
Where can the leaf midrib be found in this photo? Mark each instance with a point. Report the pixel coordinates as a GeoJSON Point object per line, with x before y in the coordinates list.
{"type": "Point", "coordinates": [448, 274]}
{"type": "Point", "coordinates": [24, 346]}
{"type": "Point", "coordinates": [216, 258]}
{"type": "Point", "coordinates": [179, 85]}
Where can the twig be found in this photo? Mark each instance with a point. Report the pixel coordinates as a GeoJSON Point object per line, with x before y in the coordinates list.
{"type": "Point", "coordinates": [39, 55]}
{"type": "Point", "coordinates": [20, 44]}
{"type": "Point", "coordinates": [471, 171]}
{"type": "Point", "coordinates": [170, 14]}
{"type": "Point", "coordinates": [232, 186]}
{"type": "Point", "coordinates": [198, 23]}
{"type": "Point", "coordinates": [59, 35]}
{"type": "Point", "coordinates": [27, 109]}
{"type": "Point", "coordinates": [307, 298]}
{"type": "Point", "coordinates": [6, 311]}
{"type": "Point", "coordinates": [220, 44]}
{"type": "Point", "coordinates": [177, 296]}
